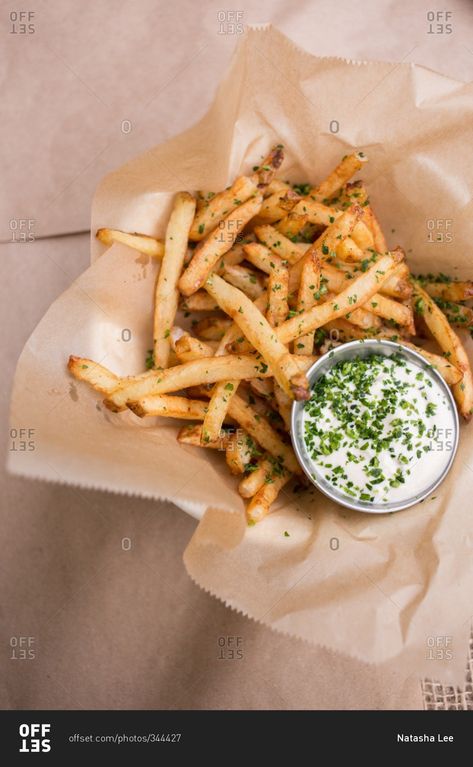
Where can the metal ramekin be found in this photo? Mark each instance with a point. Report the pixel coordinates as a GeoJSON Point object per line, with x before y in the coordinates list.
{"type": "Point", "coordinates": [349, 351]}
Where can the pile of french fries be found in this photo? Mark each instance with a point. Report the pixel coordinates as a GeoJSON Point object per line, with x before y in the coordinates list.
{"type": "Point", "coordinates": [273, 275]}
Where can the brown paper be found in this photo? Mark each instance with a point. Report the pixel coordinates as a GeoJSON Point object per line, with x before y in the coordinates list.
{"type": "Point", "coordinates": [376, 587]}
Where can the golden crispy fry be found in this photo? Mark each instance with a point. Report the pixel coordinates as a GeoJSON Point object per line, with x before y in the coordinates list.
{"type": "Point", "coordinates": [362, 234]}
{"type": "Point", "coordinates": [200, 371]}
{"type": "Point", "coordinates": [217, 208]}
{"type": "Point", "coordinates": [199, 302]}
{"type": "Point", "coordinates": [192, 435]}
{"type": "Point", "coordinates": [150, 246]}
{"type": "Point", "coordinates": [252, 481]}
{"type": "Point", "coordinates": [260, 504]}
{"type": "Point", "coordinates": [451, 345]}
{"type": "Point", "coordinates": [278, 289]}
{"type": "Point", "coordinates": [259, 333]}
{"type": "Point", "coordinates": [265, 172]}
{"type": "Point", "coordinates": [239, 451]}
{"type": "Point", "coordinates": [245, 279]}
{"type": "Point", "coordinates": [276, 206]}
{"type": "Point", "coordinates": [392, 310]}
{"type": "Point", "coordinates": [217, 409]}
{"type": "Point", "coordinates": [450, 291]}
{"type": "Point", "coordinates": [167, 293]}
{"type": "Point", "coordinates": [91, 372]}
{"type": "Point", "coordinates": [352, 297]}
{"type": "Point", "coordinates": [349, 251]}
{"type": "Point", "coordinates": [171, 407]}
{"type": "Point", "coordinates": [458, 315]}
{"type": "Point", "coordinates": [208, 252]}
{"type": "Point", "coordinates": [309, 295]}
{"type": "Point", "coordinates": [279, 244]}
{"type": "Point", "coordinates": [347, 168]}
{"type": "Point", "coordinates": [284, 405]}
{"type": "Point", "coordinates": [188, 348]}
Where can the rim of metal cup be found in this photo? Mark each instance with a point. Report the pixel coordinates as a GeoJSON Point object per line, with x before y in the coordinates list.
{"type": "Point", "coordinates": [348, 351]}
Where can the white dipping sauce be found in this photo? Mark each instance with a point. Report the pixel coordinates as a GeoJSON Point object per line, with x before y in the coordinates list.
{"type": "Point", "coordinates": [378, 429]}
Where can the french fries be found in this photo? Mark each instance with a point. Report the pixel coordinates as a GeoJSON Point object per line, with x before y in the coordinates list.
{"type": "Point", "coordinates": [451, 345]}
{"type": "Point", "coordinates": [208, 252]}
{"type": "Point", "coordinates": [167, 294]}
{"type": "Point", "coordinates": [273, 274]}
{"type": "Point", "coordinates": [260, 334]}
{"type": "Point", "coordinates": [149, 246]}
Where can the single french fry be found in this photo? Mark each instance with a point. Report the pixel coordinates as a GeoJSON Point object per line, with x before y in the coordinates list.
{"type": "Point", "coordinates": [245, 279]}
{"type": "Point", "coordinates": [380, 243]}
{"type": "Point", "coordinates": [260, 334]}
{"type": "Point", "coordinates": [167, 293]}
{"type": "Point", "coordinates": [362, 234]}
{"type": "Point", "coordinates": [261, 431]}
{"type": "Point", "coordinates": [284, 405]}
{"type": "Point", "coordinates": [239, 451]}
{"type": "Point", "coordinates": [220, 205]}
{"type": "Point", "coordinates": [385, 307]}
{"type": "Point", "coordinates": [277, 292]}
{"type": "Point", "coordinates": [276, 206]}
{"type": "Point", "coordinates": [358, 292]}
{"type": "Point", "coordinates": [217, 409]}
{"type": "Point", "coordinates": [260, 504]}
{"type": "Point", "coordinates": [208, 251]}
{"type": "Point", "coordinates": [263, 258]}
{"type": "Point", "coordinates": [276, 185]}
{"type": "Point", "coordinates": [451, 345]}
{"type": "Point", "coordinates": [280, 245]}
{"type": "Point", "coordinates": [170, 407]}
{"type": "Point", "coordinates": [149, 246]}
{"type": "Point", "coordinates": [91, 372]}
{"type": "Point", "coordinates": [193, 373]}
{"type": "Point", "coordinates": [458, 315]}
{"type": "Point", "coordinates": [308, 296]}
{"type": "Point", "coordinates": [189, 348]}
{"type": "Point", "coordinates": [450, 291]}
{"type": "Point", "coordinates": [265, 172]}
{"type": "Point", "coordinates": [199, 302]}
{"type": "Point", "coordinates": [192, 435]}
{"type": "Point", "coordinates": [252, 481]}
{"type": "Point", "coordinates": [349, 251]}
{"type": "Point", "coordinates": [344, 171]}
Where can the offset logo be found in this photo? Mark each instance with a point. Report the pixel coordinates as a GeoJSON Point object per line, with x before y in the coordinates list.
{"type": "Point", "coordinates": [34, 738]}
